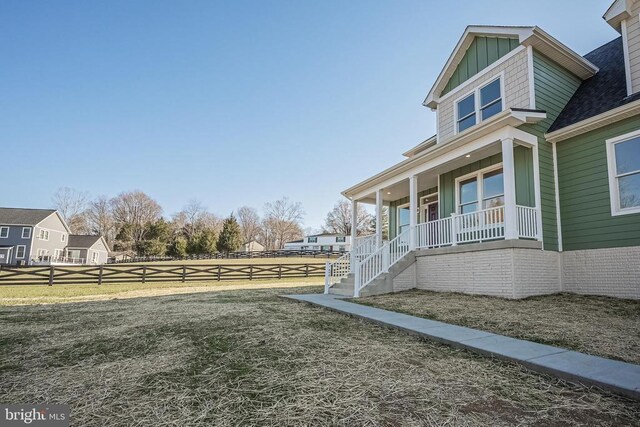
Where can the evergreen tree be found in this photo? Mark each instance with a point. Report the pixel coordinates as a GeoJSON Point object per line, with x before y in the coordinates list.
{"type": "Point", "coordinates": [179, 247]}
{"type": "Point", "coordinates": [208, 242]}
{"type": "Point", "coordinates": [231, 236]}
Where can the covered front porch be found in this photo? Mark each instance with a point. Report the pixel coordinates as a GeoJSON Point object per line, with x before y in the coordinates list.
{"type": "Point", "coordinates": [482, 190]}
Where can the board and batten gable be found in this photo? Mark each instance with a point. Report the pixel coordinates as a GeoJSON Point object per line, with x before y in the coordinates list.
{"type": "Point", "coordinates": [513, 67]}
{"type": "Point", "coordinates": [553, 86]}
{"type": "Point", "coordinates": [481, 53]}
{"type": "Point", "coordinates": [585, 205]}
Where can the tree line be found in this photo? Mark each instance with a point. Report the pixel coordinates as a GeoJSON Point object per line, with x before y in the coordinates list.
{"type": "Point", "coordinates": [133, 222]}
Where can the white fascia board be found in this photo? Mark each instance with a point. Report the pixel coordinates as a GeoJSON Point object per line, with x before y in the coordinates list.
{"type": "Point", "coordinates": [443, 154]}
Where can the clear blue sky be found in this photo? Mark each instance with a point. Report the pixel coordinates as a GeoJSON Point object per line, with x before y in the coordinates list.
{"type": "Point", "coordinates": [232, 103]}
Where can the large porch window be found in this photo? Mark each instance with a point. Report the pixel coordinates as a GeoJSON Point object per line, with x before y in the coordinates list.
{"type": "Point", "coordinates": [403, 218]}
{"type": "Point", "coordinates": [481, 190]}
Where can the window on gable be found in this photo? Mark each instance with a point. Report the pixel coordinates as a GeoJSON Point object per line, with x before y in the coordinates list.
{"type": "Point", "coordinates": [340, 239]}
{"type": "Point", "coordinates": [469, 112]}
{"type": "Point", "coordinates": [490, 100]}
{"type": "Point", "coordinates": [313, 240]}
{"type": "Point", "coordinates": [466, 112]}
{"type": "Point", "coordinates": [624, 173]}
{"type": "Point", "coordinates": [44, 235]}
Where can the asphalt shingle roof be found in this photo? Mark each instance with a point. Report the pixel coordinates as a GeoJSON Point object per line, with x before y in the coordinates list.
{"type": "Point", "coordinates": [606, 90]}
{"type": "Point", "coordinates": [20, 216]}
{"type": "Point", "coordinates": [81, 241]}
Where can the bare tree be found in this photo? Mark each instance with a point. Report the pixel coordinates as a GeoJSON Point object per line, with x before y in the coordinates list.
{"type": "Point", "coordinates": [282, 222]}
{"type": "Point", "coordinates": [100, 219]}
{"type": "Point", "coordinates": [132, 211]}
{"type": "Point", "coordinates": [339, 219]}
{"type": "Point", "coordinates": [72, 204]}
{"type": "Point", "coordinates": [249, 221]}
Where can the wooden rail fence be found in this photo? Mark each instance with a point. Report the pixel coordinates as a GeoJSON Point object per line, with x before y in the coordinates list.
{"type": "Point", "coordinates": [110, 273]}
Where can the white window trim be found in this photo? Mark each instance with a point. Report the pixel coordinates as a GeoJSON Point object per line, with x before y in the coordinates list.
{"type": "Point", "coordinates": [46, 231]}
{"type": "Point", "coordinates": [27, 229]}
{"type": "Point", "coordinates": [4, 228]}
{"type": "Point", "coordinates": [476, 92]}
{"type": "Point", "coordinates": [614, 191]}
{"type": "Point", "coordinates": [478, 175]}
{"type": "Point", "coordinates": [404, 205]}
{"type": "Point", "coordinates": [63, 237]}
{"type": "Point", "coordinates": [24, 251]}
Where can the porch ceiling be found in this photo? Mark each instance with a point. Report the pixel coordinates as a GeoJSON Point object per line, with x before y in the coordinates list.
{"type": "Point", "coordinates": [429, 179]}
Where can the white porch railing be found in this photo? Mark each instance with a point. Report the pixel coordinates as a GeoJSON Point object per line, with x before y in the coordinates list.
{"type": "Point", "coordinates": [364, 246]}
{"type": "Point", "coordinates": [51, 259]}
{"type": "Point", "coordinates": [486, 224]}
{"type": "Point", "coordinates": [380, 261]}
{"type": "Point", "coordinates": [527, 222]}
{"type": "Point", "coordinates": [336, 271]}
{"type": "Point", "coordinates": [369, 262]}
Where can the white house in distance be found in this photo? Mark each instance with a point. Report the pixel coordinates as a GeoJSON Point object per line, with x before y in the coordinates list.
{"type": "Point", "coordinates": [326, 242]}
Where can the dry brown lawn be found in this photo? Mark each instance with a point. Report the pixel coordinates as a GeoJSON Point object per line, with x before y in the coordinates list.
{"type": "Point", "coordinates": [602, 326]}
{"type": "Point", "coordinates": [250, 357]}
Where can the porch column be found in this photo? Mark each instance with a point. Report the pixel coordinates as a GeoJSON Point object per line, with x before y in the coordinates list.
{"type": "Point", "coordinates": [536, 189]}
{"type": "Point", "coordinates": [509, 173]}
{"type": "Point", "coordinates": [354, 233]}
{"type": "Point", "coordinates": [413, 211]}
{"type": "Point", "coordinates": [379, 224]}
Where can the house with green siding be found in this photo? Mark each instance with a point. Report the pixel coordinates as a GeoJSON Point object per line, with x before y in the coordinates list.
{"type": "Point", "coordinates": [531, 184]}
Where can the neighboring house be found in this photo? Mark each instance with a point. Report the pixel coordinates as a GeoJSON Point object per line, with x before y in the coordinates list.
{"type": "Point", "coordinates": [252, 246]}
{"type": "Point", "coordinates": [91, 249]}
{"type": "Point", "coordinates": [327, 242]}
{"type": "Point", "coordinates": [36, 236]}
{"type": "Point", "coordinates": [531, 184]}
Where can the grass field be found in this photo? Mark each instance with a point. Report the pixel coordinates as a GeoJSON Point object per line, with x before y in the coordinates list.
{"type": "Point", "coordinates": [607, 327]}
{"type": "Point", "coordinates": [42, 294]}
{"type": "Point", "coordinates": [249, 357]}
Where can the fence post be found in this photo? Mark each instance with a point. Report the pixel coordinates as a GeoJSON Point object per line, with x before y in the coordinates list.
{"type": "Point", "coordinates": [279, 271]}
{"type": "Point", "coordinates": [51, 274]}
{"type": "Point", "coordinates": [306, 270]}
{"type": "Point", "coordinates": [100, 276]}
{"type": "Point", "coordinates": [219, 271]}
{"type": "Point", "coordinates": [184, 273]}
{"type": "Point", "coordinates": [251, 272]}
{"type": "Point", "coordinates": [144, 273]}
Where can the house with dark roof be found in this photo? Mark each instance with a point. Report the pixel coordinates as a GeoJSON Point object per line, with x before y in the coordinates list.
{"type": "Point", "coordinates": [42, 237]}
{"type": "Point", "coordinates": [531, 184]}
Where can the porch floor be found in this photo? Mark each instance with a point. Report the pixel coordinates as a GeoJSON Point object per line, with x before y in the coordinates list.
{"type": "Point", "coordinates": [616, 376]}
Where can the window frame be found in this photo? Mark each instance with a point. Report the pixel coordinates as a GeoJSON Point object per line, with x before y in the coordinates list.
{"type": "Point", "coordinates": [27, 229]}
{"type": "Point", "coordinates": [479, 176]}
{"type": "Point", "coordinates": [614, 188]}
{"type": "Point", "coordinates": [95, 257]}
{"type": "Point", "coordinates": [315, 239]}
{"type": "Point", "coordinates": [341, 239]}
{"type": "Point", "coordinates": [43, 234]}
{"type": "Point", "coordinates": [63, 237]}
{"type": "Point", "coordinates": [4, 227]}
{"type": "Point", "coordinates": [24, 251]}
{"type": "Point", "coordinates": [402, 206]}
{"type": "Point", "coordinates": [478, 107]}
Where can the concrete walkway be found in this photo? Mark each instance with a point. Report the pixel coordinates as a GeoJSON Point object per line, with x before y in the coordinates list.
{"type": "Point", "coordinates": [619, 377]}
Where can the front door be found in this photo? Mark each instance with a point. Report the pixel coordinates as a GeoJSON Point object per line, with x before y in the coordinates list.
{"type": "Point", "coordinates": [432, 211]}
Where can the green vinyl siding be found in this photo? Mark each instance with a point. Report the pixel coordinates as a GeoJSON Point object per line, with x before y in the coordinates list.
{"type": "Point", "coordinates": [393, 211]}
{"type": "Point", "coordinates": [554, 87]}
{"type": "Point", "coordinates": [585, 205]}
{"type": "Point", "coordinates": [524, 180]}
{"type": "Point", "coordinates": [482, 52]}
